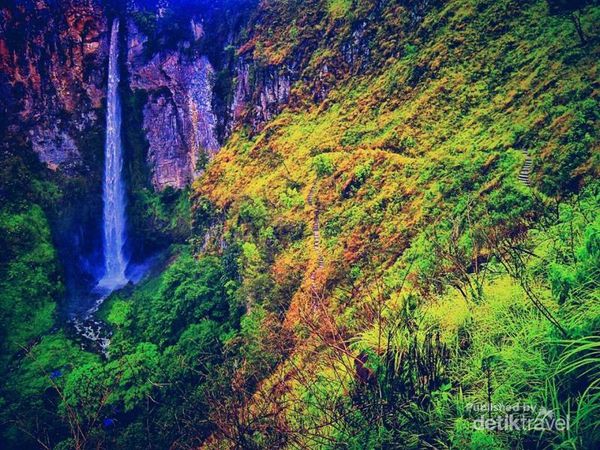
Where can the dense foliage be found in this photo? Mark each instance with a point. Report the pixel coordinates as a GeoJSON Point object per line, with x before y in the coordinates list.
{"type": "Point", "coordinates": [361, 270]}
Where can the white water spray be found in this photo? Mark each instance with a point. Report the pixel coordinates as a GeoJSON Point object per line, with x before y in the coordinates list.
{"type": "Point", "coordinates": [114, 187]}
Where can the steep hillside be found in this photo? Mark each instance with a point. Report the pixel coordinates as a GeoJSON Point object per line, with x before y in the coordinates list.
{"type": "Point", "coordinates": [399, 222]}
{"type": "Point", "coordinates": [377, 223]}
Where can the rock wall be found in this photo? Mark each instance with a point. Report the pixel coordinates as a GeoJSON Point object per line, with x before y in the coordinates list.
{"type": "Point", "coordinates": [179, 121]}
{"type": "Point", "coordinates": [53, 70]}
{"type": "Point", "coordinates": [312, 52]}
{"type": "Point", "coordinates": [53, 62]}
{"type": "Point", "coordinates": [260, 93]}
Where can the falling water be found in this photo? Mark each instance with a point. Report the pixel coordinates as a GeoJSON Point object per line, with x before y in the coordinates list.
{"type": "Point", "coordinates": [114, 189]}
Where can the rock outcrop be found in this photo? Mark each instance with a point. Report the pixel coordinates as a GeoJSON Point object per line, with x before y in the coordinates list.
{"type": "Point", "coordinates": [275, 70]}
{"type": "Point", "coordinates": [53, 63]}
{"type": "Point", "coordinates": [259, 98]}
{"type": "Point", "coordinates": [53, 70]}
{"type": "Point", "coordinates": [178, 117]}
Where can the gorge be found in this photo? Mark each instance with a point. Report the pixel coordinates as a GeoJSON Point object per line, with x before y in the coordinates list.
{"type": "Point", "coordinates": [284, 224]}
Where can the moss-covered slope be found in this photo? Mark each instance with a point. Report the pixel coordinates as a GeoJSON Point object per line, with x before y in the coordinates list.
{"type": "Point", "coordinates": [400, 210]}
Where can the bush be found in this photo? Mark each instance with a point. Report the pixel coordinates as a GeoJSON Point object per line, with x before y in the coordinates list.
{"type": "Point", "coordinates": [253, 212]}
{"type": "Point", "coordinates": [323, 165]}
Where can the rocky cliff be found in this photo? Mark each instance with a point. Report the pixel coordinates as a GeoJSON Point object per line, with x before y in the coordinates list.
{"type": "Point", "coordinates": [260, 92]}
{"type": "Point", "coordinates": [53, 59]}
{"type": "Point", "coordinates": [308, 55]}
{"type": "Point", "coordinates": [52, 74]}
{"type": "Point", "coordinates": [178, 118]}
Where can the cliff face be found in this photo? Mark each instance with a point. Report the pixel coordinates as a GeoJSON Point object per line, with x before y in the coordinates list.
{"type": "Point", "coordinates": [53, 60]}
{"type": "Point", "coordinates": [260, 93]}
{"type": "Point", "coordinates": [178, 117]}
{"type": "Point", "coordinates": [52, 65]}
{"type": "Point", "coordinates": [292, 58]}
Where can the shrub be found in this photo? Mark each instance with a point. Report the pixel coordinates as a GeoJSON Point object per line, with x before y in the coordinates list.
{"type": "Point", "coordinates": [323, 165]}
{"type": "Point", "coordinates": [253, 212]}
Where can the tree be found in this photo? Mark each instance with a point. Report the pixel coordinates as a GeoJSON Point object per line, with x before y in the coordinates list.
{"type": "Point", "coordinates": [572, 8]}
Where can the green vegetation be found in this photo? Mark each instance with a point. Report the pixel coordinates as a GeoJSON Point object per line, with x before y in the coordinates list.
{"type": "Point", "coordinates": [157, 219]}
{"type": "Point", "coordinates": [323, 165]}
{"type": "Point", "coordinates": [372, 268]}
{"type": "Point", "coordinates": [168, 335]}
{"type": "Point", "coordinates": [438, 281]}
{"type": "Point", "coordinates": [29, 281]}
{"type": "Point", "coordinates": [30, 277]}
{"type": "Point", "coordinates": [339, 8]}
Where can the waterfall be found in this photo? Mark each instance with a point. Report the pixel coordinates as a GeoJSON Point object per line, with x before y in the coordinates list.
{"type": "Point", "coordinates": [114, 185]}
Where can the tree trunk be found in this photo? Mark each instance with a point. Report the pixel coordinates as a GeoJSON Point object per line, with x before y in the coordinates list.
{"type": "Point", "coordinates": [577, 22]}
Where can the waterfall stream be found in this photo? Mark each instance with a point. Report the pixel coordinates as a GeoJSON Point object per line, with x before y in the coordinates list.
{"type": "Point", "coordinates": [91, 330]}
{"type": "Point", "coordinates": [115, 261]}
